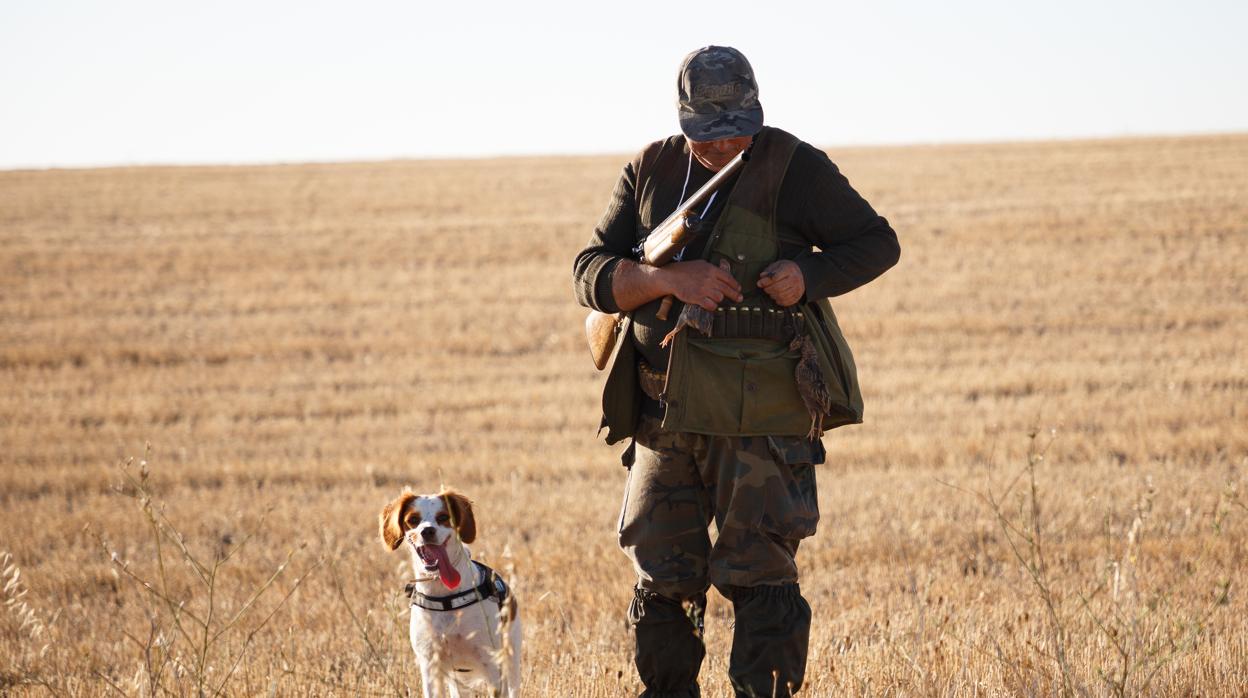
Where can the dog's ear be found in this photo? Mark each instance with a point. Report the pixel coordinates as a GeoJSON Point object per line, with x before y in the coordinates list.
{"type": "Point", "coordinates": [391, 523]}
{"type": "Point", "coordinates": [460, 508]}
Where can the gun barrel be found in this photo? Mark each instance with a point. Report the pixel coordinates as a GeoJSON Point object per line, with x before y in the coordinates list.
{"type": "Point", "coordinates": [665, 241]}
{"type": "Point", "coordinates": [669, 236]}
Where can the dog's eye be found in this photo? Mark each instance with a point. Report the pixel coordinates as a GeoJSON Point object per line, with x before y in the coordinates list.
{"type": "Point", "coordinates": [443, 518]}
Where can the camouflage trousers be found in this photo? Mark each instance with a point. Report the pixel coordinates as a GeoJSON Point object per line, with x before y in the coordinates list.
{"type": "Point", "coordinates": [760, 492]}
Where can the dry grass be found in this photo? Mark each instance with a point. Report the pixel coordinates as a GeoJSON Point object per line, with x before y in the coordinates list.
{"type": "Point", "coordinates": [298, 343]}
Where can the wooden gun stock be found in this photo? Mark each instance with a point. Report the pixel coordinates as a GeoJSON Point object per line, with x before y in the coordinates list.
{"type": "Point", "coordinates": [664, 308]}
{"type": "Point", "coordinates": [601, 330]}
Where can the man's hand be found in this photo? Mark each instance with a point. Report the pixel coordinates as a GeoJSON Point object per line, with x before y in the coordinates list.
{"type": "Point", "coordinates": [701, 283]}
{"type": "Point", "coordinates": [783, 281]}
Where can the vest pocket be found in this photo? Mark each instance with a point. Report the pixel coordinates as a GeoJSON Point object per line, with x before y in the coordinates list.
{"type": "Point", "coordinates": [710, 383]}
{"type": "Point", "coordinates": [770, 403]}
{"type": "Point", "coordinates": [749, 246]}
{"type": "Point", "coordinates": [735, 387]}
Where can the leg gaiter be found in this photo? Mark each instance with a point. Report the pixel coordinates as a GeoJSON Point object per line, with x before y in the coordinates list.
{"type": "Point", "coordinates": [669, 644]}
{"type": "Point", "coordinates": [770, 640]}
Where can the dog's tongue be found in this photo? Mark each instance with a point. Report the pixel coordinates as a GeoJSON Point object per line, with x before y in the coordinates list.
{"type": "Point", "coordinates": [447, 571]}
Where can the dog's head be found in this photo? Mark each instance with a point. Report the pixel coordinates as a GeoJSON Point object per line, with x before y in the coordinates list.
{"type": "Point", "coordinates": [428, 521]}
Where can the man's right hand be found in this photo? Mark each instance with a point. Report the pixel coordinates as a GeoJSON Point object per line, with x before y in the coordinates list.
{"type": "Point", "coordinates": [700, 283]}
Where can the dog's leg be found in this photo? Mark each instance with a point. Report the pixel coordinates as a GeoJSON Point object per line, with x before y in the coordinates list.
{"type": "Point", "coordinates": [431, 687]}
{"type": "Point", "coordinates": [435, 681]}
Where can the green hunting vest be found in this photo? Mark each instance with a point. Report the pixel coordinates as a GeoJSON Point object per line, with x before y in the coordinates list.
{"type": "Point", "coordinates": [732, 386]}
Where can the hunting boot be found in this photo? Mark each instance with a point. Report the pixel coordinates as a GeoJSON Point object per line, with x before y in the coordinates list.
{"type": "Point", "coordinates": [770, 640]}
{"type": "Point", "coordinates": [669, 644]}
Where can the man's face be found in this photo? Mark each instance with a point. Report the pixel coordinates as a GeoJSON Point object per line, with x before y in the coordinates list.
{"type": "Point", "coordinates": [713, 155]}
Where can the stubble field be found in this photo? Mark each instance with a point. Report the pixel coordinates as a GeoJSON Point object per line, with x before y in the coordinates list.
{"type": "Point", "coordinates": [298, 343]}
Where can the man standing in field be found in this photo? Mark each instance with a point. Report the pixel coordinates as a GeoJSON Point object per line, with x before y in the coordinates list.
{"type": "Point", "coordinates": [726, 425]}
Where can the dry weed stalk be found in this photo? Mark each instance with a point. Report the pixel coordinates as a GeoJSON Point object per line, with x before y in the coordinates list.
{"type": "Point", "coordinates": [379, 659]}
{"type": "Point", "coordinates": [506, 651]}
{"type": "Point", "coordinates": [190, 635]}
{"type": "Point", "coordinates": [1130, 619]}
{"type": "Point", "coordinates": [32, 634]}
{"type": "Point", "coordinates": [1122, 611]}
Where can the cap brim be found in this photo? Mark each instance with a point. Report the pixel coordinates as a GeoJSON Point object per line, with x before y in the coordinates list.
{"type": "Point", "coordinates": [727, 124]}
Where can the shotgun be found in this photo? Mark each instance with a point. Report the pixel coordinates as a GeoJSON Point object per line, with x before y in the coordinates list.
{"type": "Point", "coordinates": [660, 246]}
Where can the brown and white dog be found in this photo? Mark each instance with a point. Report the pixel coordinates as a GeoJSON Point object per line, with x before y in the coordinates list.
{"type": "Point", "coordinates": [464, 628]}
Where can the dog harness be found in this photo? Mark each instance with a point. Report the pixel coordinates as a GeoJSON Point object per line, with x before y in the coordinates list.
{"type": "Point", "coordinates": [492, 586]}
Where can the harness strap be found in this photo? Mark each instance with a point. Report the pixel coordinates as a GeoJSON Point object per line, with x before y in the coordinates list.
{"type": "Point", "coordinates": [492, 586]}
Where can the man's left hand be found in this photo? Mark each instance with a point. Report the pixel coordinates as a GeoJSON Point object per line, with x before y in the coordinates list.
{"type": "Point", "coordinates": [783, 281]}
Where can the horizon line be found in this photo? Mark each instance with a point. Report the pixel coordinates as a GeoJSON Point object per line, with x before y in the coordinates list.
{"type": "Point", "coordinates": [244, 163]}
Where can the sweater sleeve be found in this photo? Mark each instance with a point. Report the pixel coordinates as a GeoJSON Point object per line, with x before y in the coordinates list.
{"type": "Point", "coordinates": [855, 244]}
{"type": "Point", "coordinates": [613, 240]}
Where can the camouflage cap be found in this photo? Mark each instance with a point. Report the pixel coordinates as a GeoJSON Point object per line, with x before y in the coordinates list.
{"type": "Point", "coordinates": [717, 96]}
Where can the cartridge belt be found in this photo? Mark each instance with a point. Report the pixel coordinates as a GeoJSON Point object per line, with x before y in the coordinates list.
{"type": "Point", "coordinates": [652, 381]}
{"type": "Point", "coordinates": [746, 322]}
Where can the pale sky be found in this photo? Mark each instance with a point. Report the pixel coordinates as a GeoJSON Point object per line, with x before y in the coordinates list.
{"type": "Point", "coordinates": [146, 81]}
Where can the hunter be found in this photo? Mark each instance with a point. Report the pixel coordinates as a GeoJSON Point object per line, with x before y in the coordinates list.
{"type": "Point", "coordinates": [725, 410]}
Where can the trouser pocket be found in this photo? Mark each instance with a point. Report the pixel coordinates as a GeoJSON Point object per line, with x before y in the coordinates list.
{"type": "Point", "coordinates": [765, 503]}
{"type": "Point", "coordinates": [793, 501]}
{"type": "Point", "coordinates": [794, 514]}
